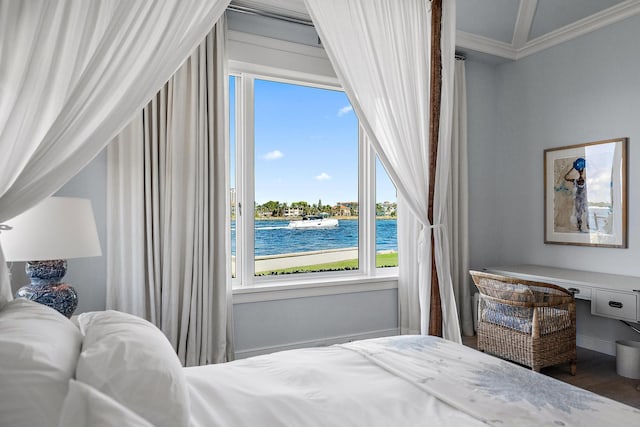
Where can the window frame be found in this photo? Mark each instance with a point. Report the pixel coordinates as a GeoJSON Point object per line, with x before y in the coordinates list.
{"type": "Point", "coordinates": [245, 279]}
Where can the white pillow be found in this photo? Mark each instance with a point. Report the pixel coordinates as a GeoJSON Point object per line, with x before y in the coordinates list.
{"type": "Point", "coordinates": [130, 360]}
{"type": "Point", "coordinates": [86, 406]}
{"type": "Point", "coordinates": [39, 348]}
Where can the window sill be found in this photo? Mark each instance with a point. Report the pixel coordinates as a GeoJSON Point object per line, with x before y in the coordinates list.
{"type": "Point", "coordinates": [276, 290]}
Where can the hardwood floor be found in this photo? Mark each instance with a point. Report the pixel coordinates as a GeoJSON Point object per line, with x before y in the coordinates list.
{"type": "Point", "coordinates": [596, 372]}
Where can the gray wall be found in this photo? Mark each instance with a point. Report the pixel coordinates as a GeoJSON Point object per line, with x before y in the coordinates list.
{"type": "Point", "coordinates": [584, 90]}
{"type": "Point", "coordinates": [484, 218]}
{"type": "Point", "coordinates": [262, 327]}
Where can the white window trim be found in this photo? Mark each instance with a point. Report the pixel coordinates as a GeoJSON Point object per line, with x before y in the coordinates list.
{"type": "Point", "coordinates": [313, 288]}
{"type": "Point", "coordinates": [368, 277]}
{"type": "Point", "coordinates": [278, 58]}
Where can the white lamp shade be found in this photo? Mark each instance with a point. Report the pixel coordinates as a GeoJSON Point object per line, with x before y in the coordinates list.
{"type": "Point", "coordinates": [57, 228]}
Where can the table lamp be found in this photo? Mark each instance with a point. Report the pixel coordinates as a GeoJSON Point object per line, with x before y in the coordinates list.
{"type": "Point", "coordinates": [45, 236]}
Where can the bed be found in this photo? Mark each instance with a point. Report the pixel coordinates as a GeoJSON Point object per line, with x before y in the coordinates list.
{"type": "Point", "coordinates": [113, 369]}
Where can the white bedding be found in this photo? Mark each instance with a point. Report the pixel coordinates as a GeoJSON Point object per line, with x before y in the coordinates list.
{"type": "Point", "coordinates": [113, 369]}
{"type": "Point", "coordinates": [328, 386]}
{"type": "Point", "coordinates": [394, 381]}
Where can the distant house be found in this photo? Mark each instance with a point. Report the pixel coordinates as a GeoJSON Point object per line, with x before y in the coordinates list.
{"type": "Point", "coordinates": [293, 212]}
{"type": "Point", "coordinates": [388, 209]}
{"type": "Point", "coordinates": [346, 209]}
{"type": "Point", "coordinates": [341, 210]}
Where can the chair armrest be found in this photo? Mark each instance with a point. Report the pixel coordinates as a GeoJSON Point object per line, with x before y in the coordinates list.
{"type": "Point", "coordinates": [549, 319]}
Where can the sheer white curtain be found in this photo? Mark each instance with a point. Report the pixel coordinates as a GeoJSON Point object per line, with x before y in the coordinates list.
{"type": "Point", "coordinates": [380, 50]}
{"type": "Point", "coordinates": [72, 74]}
{"type": "Point", "coordinates": [458, 201]}
{"type": "Point", "coordinates": [167, 197]}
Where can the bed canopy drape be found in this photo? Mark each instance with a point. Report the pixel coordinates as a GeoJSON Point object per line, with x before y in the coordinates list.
{"type": "Point", "coordinates": [380, 50]}
{"type": "Point", "coordinates": [72, 74]}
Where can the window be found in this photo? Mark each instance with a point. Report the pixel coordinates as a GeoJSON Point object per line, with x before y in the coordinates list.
{"type": "Point", "coordinates": [304, 201]}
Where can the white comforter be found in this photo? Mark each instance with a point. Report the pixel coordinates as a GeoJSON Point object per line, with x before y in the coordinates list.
{"type": "Point", "coordinates": [394, 381]}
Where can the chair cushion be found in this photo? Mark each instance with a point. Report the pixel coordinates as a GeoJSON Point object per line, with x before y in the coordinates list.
{"type": "Point", "coordinates": [521, 318]}
{"type": "Point", "coordinates": [503, 315]}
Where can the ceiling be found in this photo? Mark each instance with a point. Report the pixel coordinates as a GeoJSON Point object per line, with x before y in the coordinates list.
{"type": "Point", "coordinates": [513, 29]}
{"type": "Point", "coordinates": [505, 29]}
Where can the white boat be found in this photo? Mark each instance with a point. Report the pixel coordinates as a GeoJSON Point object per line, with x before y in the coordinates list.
{"type": "Point", "coordinates": [313, 221]}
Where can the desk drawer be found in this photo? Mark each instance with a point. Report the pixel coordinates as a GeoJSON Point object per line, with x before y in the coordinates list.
{"type": "Point", "coordinates": [618, 305]}
{"type": "Point", "coordinates": [579, 291]}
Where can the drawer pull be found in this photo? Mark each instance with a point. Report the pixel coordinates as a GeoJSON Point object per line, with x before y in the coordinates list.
{"type": "Point", "coordinates": [615, 304]}
{"type": "Point", "coordinates": [574, 290]}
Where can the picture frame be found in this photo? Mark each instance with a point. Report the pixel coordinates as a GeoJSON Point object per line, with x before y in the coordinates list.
{"type": "Point", "coordinates": [585, 194]}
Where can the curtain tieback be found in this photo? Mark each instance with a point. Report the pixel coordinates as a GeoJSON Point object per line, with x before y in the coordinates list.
{"type": "Point", "coordinates": [422, 239]}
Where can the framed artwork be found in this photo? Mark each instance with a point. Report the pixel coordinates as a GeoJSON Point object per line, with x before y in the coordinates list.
{"type": "Point", "coordinates": [585, 194]}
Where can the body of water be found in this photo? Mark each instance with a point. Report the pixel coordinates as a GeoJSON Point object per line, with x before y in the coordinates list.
{"type": "Point", "coordinates": [273, 237]}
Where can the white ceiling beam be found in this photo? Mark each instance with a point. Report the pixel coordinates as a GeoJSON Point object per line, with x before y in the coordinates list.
{"type": "Point", "coordinates": [526, 12]}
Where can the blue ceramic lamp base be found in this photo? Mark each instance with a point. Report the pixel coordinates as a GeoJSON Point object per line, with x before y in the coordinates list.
{"type": "Point", "coordinates": [46, 286]}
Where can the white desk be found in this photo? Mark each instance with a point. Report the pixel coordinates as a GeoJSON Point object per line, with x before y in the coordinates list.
{"type": "Point", "coordinates": [611, 295]}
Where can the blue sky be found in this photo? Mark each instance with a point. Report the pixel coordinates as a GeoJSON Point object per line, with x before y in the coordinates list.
{"type": "Point", "coordinates": [306, 146]}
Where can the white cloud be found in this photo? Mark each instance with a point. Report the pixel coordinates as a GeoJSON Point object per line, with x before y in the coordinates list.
{"type": "Point", "coordinates": [345, 110]}
{"type": "Point", "coordinates": [323, 176]}
{"type": "Point", "coordinates": [273, 155]}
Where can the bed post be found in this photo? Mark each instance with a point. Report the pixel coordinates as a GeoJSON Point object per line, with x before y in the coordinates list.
{"type": "Point", "coordinates": [435, 78]}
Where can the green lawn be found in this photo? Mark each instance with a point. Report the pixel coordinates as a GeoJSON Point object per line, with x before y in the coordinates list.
{"type": "Point", "coordinates": [382, 260]}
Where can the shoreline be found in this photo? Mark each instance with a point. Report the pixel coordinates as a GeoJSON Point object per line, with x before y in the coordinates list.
{"type": "Point", "coordinates": [267, 263]}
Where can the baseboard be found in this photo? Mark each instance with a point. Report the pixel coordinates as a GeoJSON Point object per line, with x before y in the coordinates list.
{"type": "Point", "coordinates": [596, 344]}
{"type": "Point", "coordinates": [243, 354]}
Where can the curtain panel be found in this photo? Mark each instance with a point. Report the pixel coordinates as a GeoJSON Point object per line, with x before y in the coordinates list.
{"type": "Point", "coordinates": [72, 74]}
{"type": "Point", "coordinates": [380, 52]}
{"type": "Point", "coordinates": [167, 197]}
{"type": "Point", "coordinates": [458, 201]}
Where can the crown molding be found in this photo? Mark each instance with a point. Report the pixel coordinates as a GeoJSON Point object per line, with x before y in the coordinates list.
{"type": "Point", "coordinates": [586, 25]}
{"type": "Point", "coordinates": [481, 44]}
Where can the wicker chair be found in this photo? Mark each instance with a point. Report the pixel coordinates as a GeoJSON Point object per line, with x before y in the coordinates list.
{"type": "Point", "coordinates": [530, 323]}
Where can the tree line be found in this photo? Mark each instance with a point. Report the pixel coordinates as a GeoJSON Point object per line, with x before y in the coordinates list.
{"type": "Point", "coordinates": [274, 208]}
